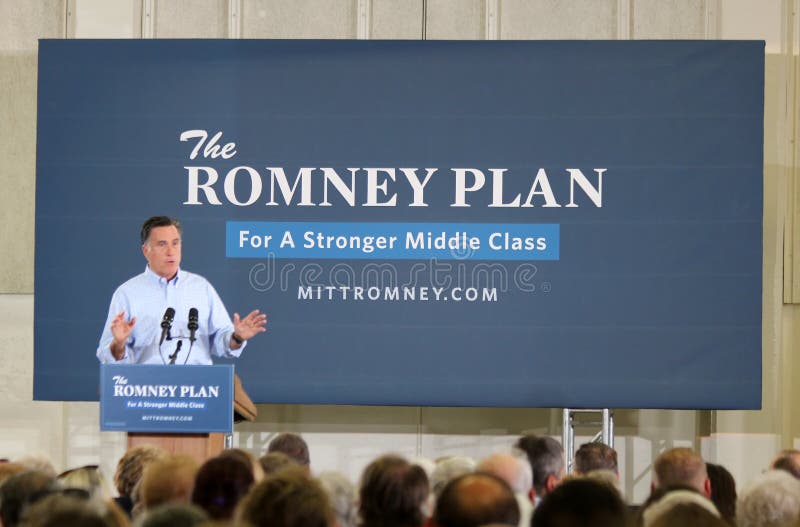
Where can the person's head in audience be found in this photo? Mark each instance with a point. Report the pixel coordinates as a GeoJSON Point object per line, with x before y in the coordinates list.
{"type": "Point", "coordinates": [342, 494]}
{"type": "Point", "coordinates": [173, 515]}
{"type": "Point", "coordinates": [595, 456]}
{"type": "Point", "coordinates": [293, 446]}
{"type": "Point", "coordinates": [60, 510]}
{"type": "Point", "coordinates": [38, 463]}
{"type": "Point", "coordinates": [547, 461]}
{"type": "Point", "coordinates": [788, 461]}
{"type": "Point", "coordinates": [681, 466]}
{"type": "Point", "coordinates": [8, 469]}
{"type": "Point", "coordinates": [449, 468]}
{"type": "Point", "coordinates": [603, 476]}
{"type": "Point", "coordinates": [287, 498]}
{"type": "Point", "coordinates": [168, 480]}
{"type": "Point", "coordinates": [88, 478]}
{"type": "Point", "coordinates": [663, 499]}
{"type": "Point", "coordinates": [275, 461]}
{"type": "Point", "coordinates": [581, 502]}
{"type": "Point", "coordinates": [425, 463]}
{"type": "Point", "coordinates": [220, 484]}
{"type": "Point", "coordinates": [689, 515]}
{"type": "Point", "coordinates": [248, 458]}
{"type": "Point", "coordinates": [516, 471]}
{"type": "Point", "coordinates": [513, 470]}
{"type": "Point", "coordinates": [129, 472]}
{"type": "Point", "coordinates": [655, 495]}
{"type": "Point", "coordinates": [770, 500]}
{"type": "Point", "coordinates": [723, 491]}
{"type": "Point", "coordinates": [393, 493]}
{"type": "Point", "coordinates": [113, 514]}
{"type": "Point", "coordinates": [22, 489]}
{"type": "Point", "coordinates": [474, 500]}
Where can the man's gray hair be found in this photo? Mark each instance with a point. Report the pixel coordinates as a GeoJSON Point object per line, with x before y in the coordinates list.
{"type": "Point", "coordinates": [545, 456]}
{"type": "Point", "coordinates": [450, 468]}
{"type": "Point", "coordinates": [511, 467]}
{"type": "Point", "coordinates": [524, 480]}
{"type": "Point", "coordinates": [771, 500]}
{"type": "Point", "coordinates": [343, 497]}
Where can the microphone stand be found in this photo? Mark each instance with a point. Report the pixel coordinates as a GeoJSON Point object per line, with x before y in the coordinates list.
{"type": "Point", "coordinates": [177, 349]}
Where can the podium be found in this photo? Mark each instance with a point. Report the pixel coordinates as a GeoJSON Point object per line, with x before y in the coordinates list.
{"type": "Point", "coordinates": [184, 410]}
{"type": "Point", "coordinates": [198, 446]}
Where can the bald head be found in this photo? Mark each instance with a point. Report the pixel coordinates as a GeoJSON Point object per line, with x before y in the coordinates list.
{"type": "Point", "coordinates": [681, 466]}
{"type": "Point", "coordinates": [476, 499]}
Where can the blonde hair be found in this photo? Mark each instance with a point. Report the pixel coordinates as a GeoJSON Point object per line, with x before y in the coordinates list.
{"type": "Point", "coordinates": [132, 464]}
{"type": "Point", "coordinates": [88, 478]}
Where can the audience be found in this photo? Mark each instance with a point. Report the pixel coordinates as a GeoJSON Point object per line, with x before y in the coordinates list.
{"type": "Point", "coordinates": [173, 515]}
{"type": "Point", "coordinates": [88, 478]}
{"type": "Point", "coordinates": [168, 480]}
{"type": "Point", "coordinates": [689, 515]}
{"type": "Point", "coordinates": [129, 473]}
{"type": "Point", "coordinates": [288, 498]}
{"type": "Point", "coordinates": [595, 456]}
{"type": "Point", "coordinates": [8, 469]}
{"type": "Point", "coordinates": [681, 466]}
{"type": "Point", "coordinates": [220, 484]}
{"type": "Point", "coordinates": [21, 490]}
{"type": "Point", "coordinates": [474, 500]}
{"type": "Point", "coordinates": [248, 458]}
{"type": "Point", "coordinates": [789, 461]}
{"type": "Point", "coordinates": [342, 495]}
{"type": "Point", "coordinates": [393, 493]}
{"type": "Point", "coordinates": [428, 465]}
{"type": "Point", "coordinates": [293, 446]}
{"type": "Point", "coordinates": [770, 500]}
{"type": "Point", "coordinates": [603, 476]}
{"type": "Point", "coordinates": [664, 499]}
{"type": "Point", "coordinates": [59, 510]}
{"type": "Point", "coordinates": [547, 462]}
{"type": "Point", "coordinates": [723, 491]}
{"type": "Point", "coordinates": [517, 473]}
{"type": "Point", "coordinates": [274, 461]}
{"type": "Point", "coordinates": [581, 503]}
{"type": "Point", "coordinates": [39, 464]}
{"type": "Point", "coordinates": [449, 468]}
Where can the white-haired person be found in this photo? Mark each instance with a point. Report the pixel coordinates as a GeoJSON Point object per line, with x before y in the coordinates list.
{"type": "Point", "coordinates": [770, 500]}
{"type": "Point", "coordinates": [516, 471]}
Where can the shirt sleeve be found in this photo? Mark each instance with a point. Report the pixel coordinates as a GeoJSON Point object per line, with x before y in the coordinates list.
{"type": "Point", "coordinates": [104, 355]}
{"type": "Point", "coordinates": [220, 327]}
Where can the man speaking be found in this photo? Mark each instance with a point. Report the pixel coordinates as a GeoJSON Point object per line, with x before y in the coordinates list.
{"type": "Point", "coordinates": [170, 316]}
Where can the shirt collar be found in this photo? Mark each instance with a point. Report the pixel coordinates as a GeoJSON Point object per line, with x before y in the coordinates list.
{"type": "Point", "coordinates": [163, 281]}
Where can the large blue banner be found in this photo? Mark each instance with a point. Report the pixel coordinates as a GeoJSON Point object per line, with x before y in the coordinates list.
{"type": "Point", "coordinates": [426, 223]}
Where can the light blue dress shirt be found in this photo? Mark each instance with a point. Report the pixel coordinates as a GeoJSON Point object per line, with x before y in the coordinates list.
{"type": "Point", "coordinates": [146, 297]}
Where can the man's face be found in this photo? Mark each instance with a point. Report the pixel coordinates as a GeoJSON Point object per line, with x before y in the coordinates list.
{"type": "Point", "coordinates": [163, 251]}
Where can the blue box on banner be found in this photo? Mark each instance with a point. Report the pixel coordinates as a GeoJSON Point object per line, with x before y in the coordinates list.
{"type": "Point", "coordinates": [183, 399]}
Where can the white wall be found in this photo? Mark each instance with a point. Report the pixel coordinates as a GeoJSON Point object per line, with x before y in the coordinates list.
{"type": "Point", "coordinates": [346, 438]}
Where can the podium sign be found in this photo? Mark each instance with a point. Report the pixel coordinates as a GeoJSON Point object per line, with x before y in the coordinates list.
{"type": "Point", "coordinates": [166, 399]}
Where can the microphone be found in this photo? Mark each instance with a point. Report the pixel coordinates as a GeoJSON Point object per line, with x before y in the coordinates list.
{"type": "Point", "coordinates": [166, 324]}
{"type": "Point", "coordinates": [192, 323]}
{"type": "Point", "coordinates": [175, 355]}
